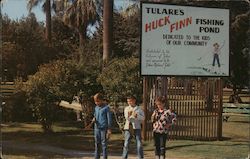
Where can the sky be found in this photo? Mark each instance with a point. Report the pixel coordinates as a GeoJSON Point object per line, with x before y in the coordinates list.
{"type": "Point", "coordinates": [17, 9]}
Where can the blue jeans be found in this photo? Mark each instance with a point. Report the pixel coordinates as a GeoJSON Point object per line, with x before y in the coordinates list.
{"type": "Point", "coordinates": [101, 141]}
{"type": "Point", "coordinates": [216, 58]}
{"type": "Point", "coordinates": [137, 133]}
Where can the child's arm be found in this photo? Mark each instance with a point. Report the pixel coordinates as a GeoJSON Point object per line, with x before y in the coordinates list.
{"type": "Point", "coordinates": [140, 114]}
{"type": "Point", "coordinates": [91, 124]}
{"type": "Point", "coordinates": [109, 117]}
{"type": "Point", "coordinates": [174, 119]}
{"type": "Point", "coordinates": [92, 121]}
{"type": "Point", "coordinates": [171, 118]}
{"type": "Point", "coordinates": [153, 116]}
{"type": "Point", "coordinates": [126, 113]}
{"type": "Point", "coordinates": [222, 45]}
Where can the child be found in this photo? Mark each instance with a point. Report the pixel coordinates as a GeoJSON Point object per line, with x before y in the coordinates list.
{"type": "Point", "coordinates": [162, 120]}
{"type": "Point", "coordinates": [102, 119]}
{"type": "Point", "coordinates": [134, 117]}
{"type": "Point", "coordinates": [216, 54]}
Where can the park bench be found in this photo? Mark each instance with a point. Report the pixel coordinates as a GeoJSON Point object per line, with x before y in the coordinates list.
{"type": "Point", "coordinates": [73, 105]}
{"type": "Point", "coordinates": [243, 96]}
{"type": "Point", "coordinates": [235, 109]}
{"type": "Point", "coordinates": [7, 89]}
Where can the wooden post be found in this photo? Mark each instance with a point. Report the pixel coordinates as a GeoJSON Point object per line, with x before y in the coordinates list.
{"type": "Point", "coordinates": [164, 86]}
{"type": "Point", "coordinates": [220, 110]}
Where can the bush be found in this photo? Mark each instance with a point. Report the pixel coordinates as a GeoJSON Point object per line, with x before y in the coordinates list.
{"type": "Point", "coordinates": [16, 109]}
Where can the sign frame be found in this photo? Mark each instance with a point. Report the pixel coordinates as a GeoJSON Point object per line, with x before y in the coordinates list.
{"type": "Point", "coordinates": [227, 74]}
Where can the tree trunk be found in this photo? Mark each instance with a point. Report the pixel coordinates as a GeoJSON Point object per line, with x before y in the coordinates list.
{"type": "Point", "coordinates": [107, 30]}
{"type": "Point", "coordinates": [48, 20]}
{"type": "Point", "coordinates": [82, 31]}
{"type": "Point", "coordinates": [82, 36]}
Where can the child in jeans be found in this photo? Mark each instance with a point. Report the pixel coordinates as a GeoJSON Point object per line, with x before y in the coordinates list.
{"type": "Point", "coordinates": [162, 119]}
{"type": "Point", "coordinates": [134, 116]}
{"type": "Point", "coordinates": [103, 120]}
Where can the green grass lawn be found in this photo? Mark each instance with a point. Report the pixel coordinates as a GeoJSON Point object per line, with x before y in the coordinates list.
{"type": "Point", "coordinates": [70, 136]}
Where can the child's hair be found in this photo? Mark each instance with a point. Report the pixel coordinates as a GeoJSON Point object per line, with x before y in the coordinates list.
{"type": "Point", "coordinates": [161, 99]}
{"type": "Point", "coordinates": [131, 97]}
{"type": "Point", "coordinates": [98, 96]}
{"type": "Point", "coordinates": [216, 44]}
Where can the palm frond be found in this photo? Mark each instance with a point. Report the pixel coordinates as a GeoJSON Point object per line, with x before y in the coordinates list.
{"type": "Point", "coordinates": [33, 3]}
{"type": "Point", "coordinates": [81, 13]}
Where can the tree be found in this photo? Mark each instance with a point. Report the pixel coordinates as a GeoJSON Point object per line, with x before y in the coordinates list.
{"type": "Point", "coordinates": [41, 95]}
{"type": "Point", "coordinates": [127, 33]}
{"type": "Point", "coordinates": [22, 43]}
{"type": "Point", "coordinates": [47, 10]}
{"type": "Point", "coordinates": [55, 81]}
{"type": "Point", "coordinates": [121, 78]}
{"type": "Point", "coordinates": [25, 48]}
{"type": "Point", "coordinates": [107, 30]}
{"type": "Point", "coordinates": [79, 15]}
{"type": "Point", "coordinates": [240, 51]}
{"type": "Point", "coordinates": [64, 39]}
{"type": "Point", "coordinates": [60, 6]}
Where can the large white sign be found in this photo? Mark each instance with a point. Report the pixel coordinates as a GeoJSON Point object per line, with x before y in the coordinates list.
{"type": "Point", "coordinates": [184, 40]}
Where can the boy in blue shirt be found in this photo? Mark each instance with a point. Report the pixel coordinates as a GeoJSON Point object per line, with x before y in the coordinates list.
{"type": "Point", "coordinates": [103, 120]}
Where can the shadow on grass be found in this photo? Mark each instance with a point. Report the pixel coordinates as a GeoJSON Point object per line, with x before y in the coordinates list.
{"type": "Point", "coordinates": [35, 134]}
{"type": "Point", "coordinates": [225, 138]}
{"type": "Point", "coordinates": [247, 122]}
{"type": "Point", "coordinates": [11, 153]}
{"type": "Point", "coordinates": [206, 144]}
{"type": "Point", "coordinates": [78, 124]}
{"type": "Point", "coordinates": [72, 142]}
{"type": "Point", "coordinates": [72, 138]}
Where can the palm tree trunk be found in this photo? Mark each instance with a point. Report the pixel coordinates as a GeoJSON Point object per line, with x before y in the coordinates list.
{"type": "Point", "coordinates": [82, 31]}
{"type": "Point", "coordinates": [107, 30]}
{"type": "Point", "coordinates": [48, 20]}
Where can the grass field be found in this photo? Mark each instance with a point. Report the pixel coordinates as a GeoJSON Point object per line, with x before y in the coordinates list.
{"type": "Point", "coordinates": [26, 140]}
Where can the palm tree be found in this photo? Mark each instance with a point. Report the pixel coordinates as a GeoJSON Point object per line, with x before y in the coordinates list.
{"type": "Point", "coordinates": [79, 15]}
{"type": "Point", "coordinates": [107, 30]}
{"type": "Point", "coordinates": [60, 6]}
{"type": "Point", "coordinates": [47, 9]}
